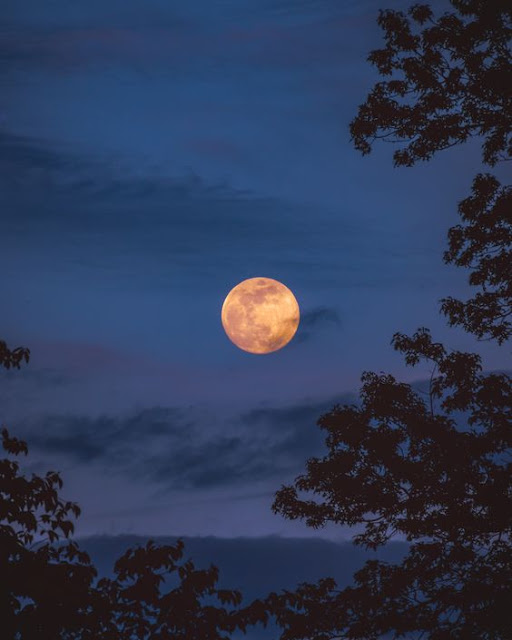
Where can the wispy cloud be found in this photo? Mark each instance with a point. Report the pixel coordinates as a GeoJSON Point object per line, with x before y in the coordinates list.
{"type": "Point", "coordinates": [129, 30]}
{"type": "Point", "coordinates": [315, 321]}
{"type": "Point", "coordinates": [78, 211]}
{"type": "Point", "coordinates": [185, 448]}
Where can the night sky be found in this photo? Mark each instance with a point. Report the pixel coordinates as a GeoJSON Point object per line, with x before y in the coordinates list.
{"type": "Point", "coordinates": [153, 154]}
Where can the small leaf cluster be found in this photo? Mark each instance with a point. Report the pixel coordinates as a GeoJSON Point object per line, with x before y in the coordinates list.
{"type": "Point", "coordinates": [483, 244]}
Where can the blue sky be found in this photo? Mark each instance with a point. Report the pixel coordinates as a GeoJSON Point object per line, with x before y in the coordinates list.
{"type": "Point", "coordinates": [153, 155]}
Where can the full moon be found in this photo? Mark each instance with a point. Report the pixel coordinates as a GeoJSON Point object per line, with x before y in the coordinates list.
{"type": "Point", "coordinates": [260, 315]}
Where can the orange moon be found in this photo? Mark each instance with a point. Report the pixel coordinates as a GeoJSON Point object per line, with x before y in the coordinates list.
{"type": "Point", "coordinates": [260, 315]}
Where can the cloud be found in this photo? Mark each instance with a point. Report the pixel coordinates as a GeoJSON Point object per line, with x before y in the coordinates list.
{"type": "Point", "coordinates": [57, 167]}
{"type": "Point", "coordinates": [296, 434]}
{"type": "Point", "coordinates": [265, 35]}
{"type": "Point", "coordinates": [190, 448]}
{"type": "Point", "coordinates": [110, 439]}
{"type": "Point", "coordinates": [68, 211]}
{"type": "Point", "coordinates": [320, 316]}
{"type": "Point", "coordinates": [317, 320]}
{"type": "Point", "coordinates": [185, 448]}
{"type": "Point", "coordinates": [28, 163]}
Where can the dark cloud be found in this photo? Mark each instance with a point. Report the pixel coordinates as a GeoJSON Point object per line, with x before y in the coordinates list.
{"type": "Point", "coordinates": [191, 448]}
{"type": "Point", "coordinates": [297, 435]}
{"type": "Point", "coordinates": [183, 448]}
{"type": "Point", "coordinates": [35, 378]}
{"type": "Point", "coordinates": [284, 417]}
{"type": "Point", "coordinates": [316, 320]}
{"type": "Point", "coordinates": [26, 153]}
{"type": "Point", "coordinates": [109, 439]}
{"type": "Point", "coordinates": [38, 163]}
{"type": "Point", "coordinates": [270, 442]}
{"type": "Point", "coordinates": [320, 316]}
{"type": "Point", "coordinates": [51, 198]}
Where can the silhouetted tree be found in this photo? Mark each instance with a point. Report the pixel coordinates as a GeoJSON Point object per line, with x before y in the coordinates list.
{"type": "Point", "coordinates": [450, 79]}
{"type": "Point", "coordinates": [49, 588]}
{"type": "Point", "coordinates": [484, 244]}
{"type": "Point", "coordinates": [433, 467]}
{"type": "Point", "coordinates": [13, 357]}
{"type": "Point", "coordinates": [402, 464]}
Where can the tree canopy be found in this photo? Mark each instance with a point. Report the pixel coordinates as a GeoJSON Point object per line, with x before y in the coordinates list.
{"type": "Point", "coordinates": [432, 466]}
{"type": "Point", "coordinates": [404, 463]}
{"type": "Point", "coordinates": [448, 80]}
{"type": "Point", "coordinates": [483, 243]}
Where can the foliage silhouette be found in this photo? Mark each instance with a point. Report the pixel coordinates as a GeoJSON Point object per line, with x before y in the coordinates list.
{"type": "Point", "coordinates": [13, 358]}
{"type": "Point", "coordinates": [49, 588]}
{"type": "Point", "coordinates": [433, 467]}
{"type": "Point", "coordinates": [402, 464]}
{"type": "Point", "coordinates": [450, 81]}
{"type": "Point", "coordinates": [483, 243]}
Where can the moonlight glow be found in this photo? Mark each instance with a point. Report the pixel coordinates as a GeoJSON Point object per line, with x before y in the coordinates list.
{"type": "Point", "coordinates": [260, 315]}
